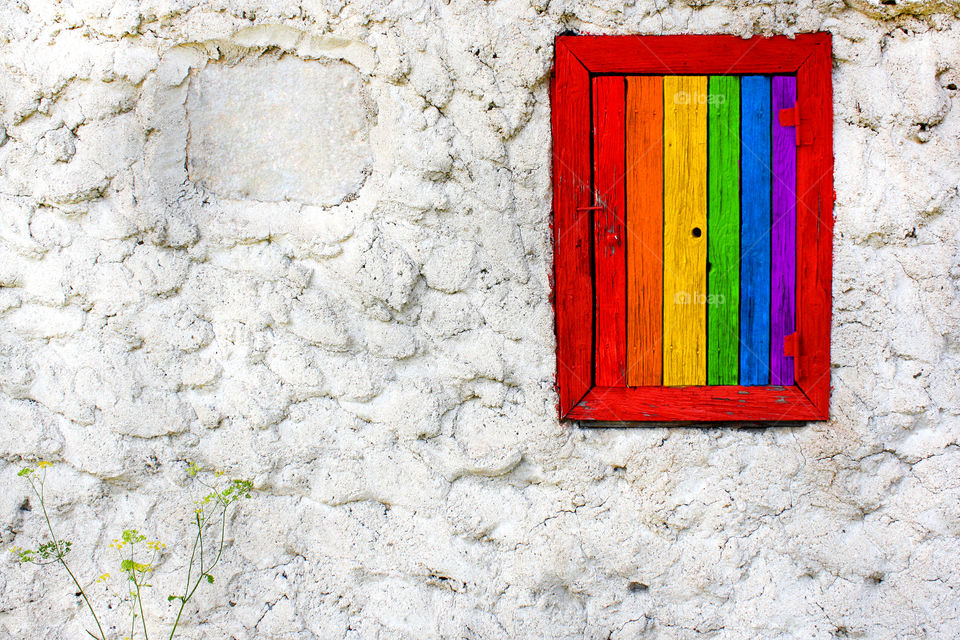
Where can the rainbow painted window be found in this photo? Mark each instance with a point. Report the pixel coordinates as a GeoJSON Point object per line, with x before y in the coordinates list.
{"type": "Point", "coordinates": [693, 219]}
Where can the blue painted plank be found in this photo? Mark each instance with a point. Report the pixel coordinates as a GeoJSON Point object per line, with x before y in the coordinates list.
{"type": "Point", "coordinates": [755, 230]}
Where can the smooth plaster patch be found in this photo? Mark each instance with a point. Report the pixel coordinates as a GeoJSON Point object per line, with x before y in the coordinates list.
{"type": "Point", "coordinates": [277, 129]}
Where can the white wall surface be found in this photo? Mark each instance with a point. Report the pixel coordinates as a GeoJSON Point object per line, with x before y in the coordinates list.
{"type": "Point", "coordinates": [310, 242]}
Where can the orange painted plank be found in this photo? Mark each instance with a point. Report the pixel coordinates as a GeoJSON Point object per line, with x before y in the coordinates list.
{"type": "Point", "coordinates": [644, 151]}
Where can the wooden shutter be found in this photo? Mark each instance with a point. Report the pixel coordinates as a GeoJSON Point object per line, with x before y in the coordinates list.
{"type": "Point", "coordinates": [691, 279]}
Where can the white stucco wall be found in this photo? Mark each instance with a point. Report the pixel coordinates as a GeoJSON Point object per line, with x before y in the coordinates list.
{"type": "Point", "coordinates": [311, 242]}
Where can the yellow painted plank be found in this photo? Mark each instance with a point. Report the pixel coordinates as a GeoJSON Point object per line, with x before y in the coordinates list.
{"type": "Point", "coordinates": [684, 230]}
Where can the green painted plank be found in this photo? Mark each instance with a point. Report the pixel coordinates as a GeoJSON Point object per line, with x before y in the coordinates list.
{"type": "Point", "coordinates": [723, 229]}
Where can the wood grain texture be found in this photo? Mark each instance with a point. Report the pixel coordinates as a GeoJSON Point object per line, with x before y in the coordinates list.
{"type": "Point", "coordinates": [755, 230]}
{"type": "Point", "coordinates": [610, 283]}
{"type": "Point", "coordinates": [701, 54]}
{"type": "Point", "coordinates": [723, 230]}
{"type": "Point", "coordinates": [783, 231]}
{"type": "Point", "coordinates": [684, 229]}
{"type": "Point", "coordinates": [573, 282]}
{"type": "Point", "coordinates": [644, 193]}
{"type": "Point", "coordinates": [695, 404]}
{"type": "Point", "coordinates": [815, 226]}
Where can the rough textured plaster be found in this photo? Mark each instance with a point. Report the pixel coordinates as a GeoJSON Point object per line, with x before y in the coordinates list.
{"type": "Point", "coordinates": [382, 367]}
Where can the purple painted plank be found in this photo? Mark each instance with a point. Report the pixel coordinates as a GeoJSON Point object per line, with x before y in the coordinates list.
{"type": "Point", "coordinates": [783, 231]}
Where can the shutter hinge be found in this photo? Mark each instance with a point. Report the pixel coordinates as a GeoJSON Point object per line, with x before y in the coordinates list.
{"type": "Point", "coordinates": [791, 348]}
{"type": "Point", "coordinates": [791, 118]}
{"type": "Point", "coordinates": [791, 345]}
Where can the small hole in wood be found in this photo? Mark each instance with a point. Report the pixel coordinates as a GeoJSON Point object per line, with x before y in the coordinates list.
{"type": "Point", "coordinates": [696, 232]}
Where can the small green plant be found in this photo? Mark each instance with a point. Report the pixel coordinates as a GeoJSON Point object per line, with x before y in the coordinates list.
{"type": "Point", "coordinates": [138, 556]}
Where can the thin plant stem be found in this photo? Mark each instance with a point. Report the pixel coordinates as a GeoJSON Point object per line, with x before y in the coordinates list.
{"type": "Point", "coordinates": [223, 531]}
{"type": "Point", "coordinates": [203, 572]}
{"type": "Point", "coordinates": [56, 542]}
{"type": "Point", "coordinates": [143, 618]}
{"type": "Point", "coordinates": [177, 621]}
{"type": "Point", "coordinates": [187, 593]}
{"type": "Point", "coordinates": [133, 615]}
{"type": "Point", "coordinates": [200, 577]}
{"type": "Point", "coordinates": [133, 602]}
{"type": "Point", "coordinates": [193, 554]}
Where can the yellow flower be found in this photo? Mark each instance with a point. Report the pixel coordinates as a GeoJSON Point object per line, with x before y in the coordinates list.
{"type": "Point", "coordinates": [43, 464]}
{"type": "Point", "coordinates": [105, 576]}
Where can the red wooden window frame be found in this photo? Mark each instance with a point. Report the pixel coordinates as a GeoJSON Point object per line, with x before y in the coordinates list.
{"type": "Point", "coordinates": [578, 58]}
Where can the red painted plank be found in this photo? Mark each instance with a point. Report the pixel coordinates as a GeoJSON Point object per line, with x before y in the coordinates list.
{"type": "Point", "coordinates": [573, 288]}
{"type": "Point", "coordinates": [695, 404]}
{"type": "Point", "coordinates": [644, 230]}
{"type": "Point", "coordinates": [815, 227]}
{"type": "Point", "coordinates": [698, 54]}
{"type": "Point", "coordinates": [610, 281]}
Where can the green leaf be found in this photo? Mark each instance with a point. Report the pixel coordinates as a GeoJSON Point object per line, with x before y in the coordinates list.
{"type": "Point", "coordinates": [127, 565]}
{"type": "Point", "coordinates": [26, 555]}
{"type": "Point", "coordinates": [132, 536]}
{"type": "Point", "coordinates": [209, 578]}
{"type": "Point", "coordinates": [23, 473]}
{"type": "Point", "coordinates": [172, 598]}
{"type": "Point", "coordinates": [49, 549]}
